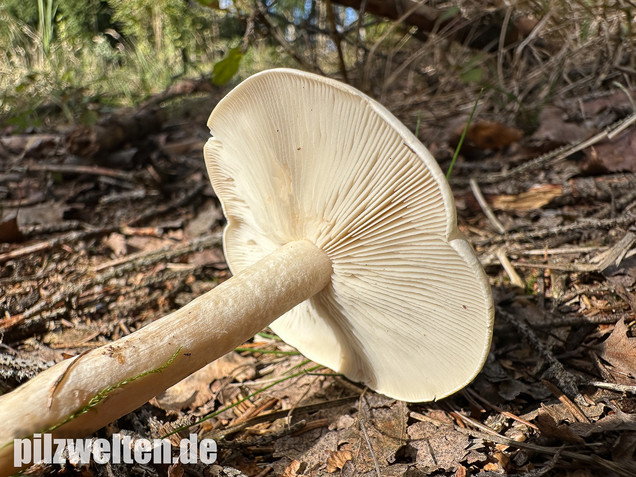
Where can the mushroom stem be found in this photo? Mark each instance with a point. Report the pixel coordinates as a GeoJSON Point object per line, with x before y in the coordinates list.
{"type": "Point", "coordinates": [139, 366]}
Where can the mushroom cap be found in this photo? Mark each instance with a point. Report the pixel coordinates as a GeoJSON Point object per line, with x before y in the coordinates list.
{"type": "Point", "coordinates": [294, 156]}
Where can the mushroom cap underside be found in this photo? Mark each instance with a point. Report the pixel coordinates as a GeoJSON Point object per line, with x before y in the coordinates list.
{"type": "Point", "coordinates": [297, 156]}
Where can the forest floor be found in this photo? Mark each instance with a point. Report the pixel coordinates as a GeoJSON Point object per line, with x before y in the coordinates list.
{"type": "Point", "coordinates": [103, 231]}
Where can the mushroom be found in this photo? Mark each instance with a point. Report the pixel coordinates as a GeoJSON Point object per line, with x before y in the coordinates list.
{"type": "Point", "coordinates": [341, 236]}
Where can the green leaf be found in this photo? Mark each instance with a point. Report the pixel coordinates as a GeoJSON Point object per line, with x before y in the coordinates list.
{"type": "Point", "coordinates": [227, 67]}
{"type": "Point", "coordinates": [448, 14]}
{"type": "Point", "coordinates": [210, 3]}
{"type": "Point", "coordinates": [585, 30]}
{"type": "Point", "coordinates": [473, 75]}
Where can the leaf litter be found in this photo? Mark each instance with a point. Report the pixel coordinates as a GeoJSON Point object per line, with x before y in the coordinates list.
{"type": "Point", "coordinates": [556, 396]}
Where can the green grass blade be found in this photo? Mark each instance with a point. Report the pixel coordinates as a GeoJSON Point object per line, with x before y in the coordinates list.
{"type": "Point", "coordinates": [461, 139]}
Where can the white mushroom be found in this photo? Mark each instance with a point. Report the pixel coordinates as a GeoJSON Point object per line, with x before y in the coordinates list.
{"type": "Point", "coordinates": [408, 310]}
{"type": "Point", "coordinates": [339, 220]}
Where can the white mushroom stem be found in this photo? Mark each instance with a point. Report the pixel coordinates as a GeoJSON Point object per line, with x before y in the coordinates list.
{"type": "Point", "coordinates": [174, 346]}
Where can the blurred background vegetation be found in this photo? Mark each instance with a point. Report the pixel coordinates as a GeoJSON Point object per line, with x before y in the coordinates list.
{"type": "Point", "coordinates": [68, 60]}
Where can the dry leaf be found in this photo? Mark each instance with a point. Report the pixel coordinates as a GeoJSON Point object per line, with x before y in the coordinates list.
{"type": "Point", "coordinates": [554, 129]}
{"type": "Point", "coordinates": [385, 423]}
{"type": "Point", "coordinates": [608, 108]}
{"type": "Point", "coordinates": [205, 220]}
{"type": "Point", "coordinates": [148, 243]}
{"type": "Point", "coordinates": [338, 459]}
{"type": "Point", "coordinates": [194, 391]}
{"type": "Point", "coordinates": [624, 449]}
{"type": "Point", "coordinates": [30, 143]}
{"type": "Point", "coordinates": [615, 155]}
{"type": "Point", "coordinates": [292, 469]}
{"type": "Point", "coordinates": [619, 350]}
{"type": "Point", "coordinates": [179, 148]}
{"type": "Point", "coordinates": [492, 467]}
{"type": "Point", "coordinates": [47, 213]}
{"type": "Point", "coordinates": [492, 135]}
{"type": "Point", "coordinates": [533, 198]}
{"type": "Point", "coordinates": [618, 421]}
{"type": "Point", "coordinates": [10, 232]}
{"type": "Point", "coordinates": [438, 448]}
{"type": "Point", "coordinates": [117, 243]}
{"type": "Point", "coordinates": [210, 256]}
{"type": "Point", "coordinates": [624, 274]}
{"type": "Point", "coordinates": [175, 470]}
{"type": "Point", "coordinates": [550, 428]}
{"type": "Point", "coordinates": [460, 472]}
{"type": "Point", "coordinates": [487, 135]}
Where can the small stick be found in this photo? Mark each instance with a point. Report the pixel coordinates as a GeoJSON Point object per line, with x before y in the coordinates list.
{"type": "Point", "coordinates": [78, 169]}
{"type": "Point", "coordinates": [335, 37]}
{"type": "Point", "coordinates": [556, 251]}
{"type": "Point", "coordinates": [566, 401]}
{"type": "Point", "coordinates": [178, 202]}
{"type": "Point", "coordinates": [58, 227]}
{"type": "Point", "coordinates": [162, 254]}
{"type": "Point", "coordinates": [481, 200]}
{"type": "Point", "coordinates": [255, 410]}
{"type": "Point", "coordinates": [366, 437]}
{"type": "Point", "coordinates": [272, 416]}
{"type": "Point", "coordinates": [515, 279]}
{"type": "Point", "coordinates": [492, 436]}
{"type": "Point", "coordinates": [622, 126]}
{"type": "Point", "coordinates": [621, 388]}
{"type": "Point", "coordinates": [566, 381]}
{"type": "Point", "coordinates": [574, 320]}
{"type": "Point", "coordinates": [562, 153]}
{"type": "Point", "coordinates": [54, 242]}
{"type": "Point", "coordinates": [467, 420]}
{"type": "Point", "coordinates": [508, 414]}
{"type": "Point", "coordinates": [311, 425]}
{"type": "Point", "coordinates": [605, 259]}
{"type": "Point", "coordinates": [584, 224]}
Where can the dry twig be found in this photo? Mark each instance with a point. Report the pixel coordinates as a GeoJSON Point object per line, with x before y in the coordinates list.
{"type": "Point", "coordinates": [566, 381]}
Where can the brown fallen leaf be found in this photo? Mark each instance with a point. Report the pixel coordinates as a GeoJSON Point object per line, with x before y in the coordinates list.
{"type": "Point", "coordinates": [615, 155]}
{"type": "Point", "coordinates": [492, 135]}
{"type": "Point", "coordinates": [493, 467]}
{"type": "Point", "coordinates": [619, 351]}
{"type": "Point", "coordinates": [23, 144]}
{"type": "Point", "coordinates": [9, 231]}
{"type": "Point", "coordinates": [460, 472]}
{"type": "Point", "coordinates": [175, 470]}
{"type": "Point", "coordinates": [338, 459]}
{"type": "Point", "coordinates": [482, 136]}
{"type": "Point", "coordinates": [46, 213]}
{"type": "Point", "coordinates": [194, 391]}
{"type": "Point", "coordinates": [178, 148]}
{"type": "Point", "coordinates": [534, 198]}
{"type": "Point", "coordinates": [608, 107]}
{"type": "Point", "coordinates": [624, 449]}
{"type": "Point", "coordinates": [438, 448]}
{"type": "Point", "coordinates": [292, 469]}
{"type": "Point", "coordinates": [385, 426]}
{"type": "Point", "coordinates": [617, 421]}
{"type": "Point", "coordinates": [117, 243]}
{"type": "Point", "coordinates": [550, 428]}
{"type": "Point", "coordinates": [555, 129]}
{"type": "Point", "coordinates": [204, 221]}
{"type": "Point", "coordinates": [623, 275]}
